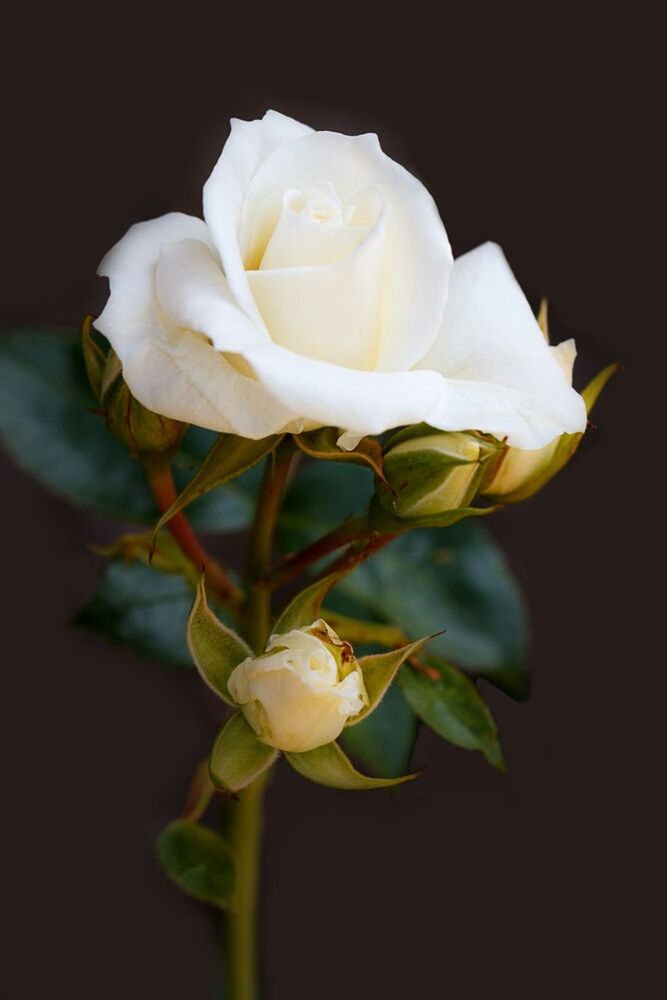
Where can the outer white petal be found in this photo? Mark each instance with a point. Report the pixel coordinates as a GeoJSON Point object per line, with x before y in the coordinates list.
{"type": "Point", "coordinates": [248, 145]}
{"type": "Point", "coordinates": [330, 395]}
{"type": "Point", "coordinates": [417, 256]}
{"type": "Point", "coordinates": [501, 376]}
{"type": "Point", "coordinates": [170, 369]}
{"type": "Point", "coordinates": [131, 310]}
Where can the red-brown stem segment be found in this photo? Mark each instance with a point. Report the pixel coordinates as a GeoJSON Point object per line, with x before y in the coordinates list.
{"type": "Point", "coordinates": [161, 482]}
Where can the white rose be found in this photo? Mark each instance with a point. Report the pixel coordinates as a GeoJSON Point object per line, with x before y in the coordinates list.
{"type": "Point", "coordinates": [320, 291]}
{"type": "Point", "coordinates": [300, 693]}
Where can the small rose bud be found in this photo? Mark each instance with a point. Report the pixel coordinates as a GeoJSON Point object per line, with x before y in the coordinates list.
{"type": "Point", "coordinates": [141, 431]}
{"type": "Point", "coordinates": [519, 474]}
{"type": "Point", "coordinates": [299, 694]}
{"type": "Point", "coordinates": [433, 472]}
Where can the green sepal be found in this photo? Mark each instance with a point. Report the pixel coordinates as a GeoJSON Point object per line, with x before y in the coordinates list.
{"type": "Point", "coordinates": [94, 357]}
{"type": "Point", "coordinates": [379, 671]}
{"type": "Point", "coordinates": [215, 648]}
{"type": "Point", "coordinates": [328, 765]}
{"type": "Point", "coordinates": [322, 444]}
{"type": "Point", "coordinates": [382, 521]}
{"type": "Point", "coordinates": [383, 742]}
{"type": "Point", "coordinates": [199, 861]}
{"type": "Point", "coordinates": [592, 391]}
{"type": "Point", "coordinates": [238, 756]}
{"type": "Point", "coordinates": [304, 609]}
{"type": "Point", "coordinates": [453, 707]}
{"type": "Point", "coordinates": [162, 553]}
{"type": "Point", "coordinates": [229, 457]}
{"type": "Point", "coordinates": [143, 432]}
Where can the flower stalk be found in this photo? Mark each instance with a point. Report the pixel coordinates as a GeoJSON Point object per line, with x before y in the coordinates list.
{"type": "Point", "coordinates": [258, 604]}
{"type": "Point", "coordinates": [246, 841]}
{"type": "Point", "coordinates": [161, 481]}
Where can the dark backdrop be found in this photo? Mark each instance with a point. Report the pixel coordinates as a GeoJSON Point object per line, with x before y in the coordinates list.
{"type": "Point", "coordinates": [531, 129]}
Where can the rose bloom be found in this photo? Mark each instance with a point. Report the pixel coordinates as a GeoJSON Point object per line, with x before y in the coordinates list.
{"type": "Point", "coordinates": [300, 693]}
{"type": "Point", "coordinates": [320, 290]}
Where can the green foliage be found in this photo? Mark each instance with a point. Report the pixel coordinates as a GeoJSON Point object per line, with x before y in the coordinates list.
{"type": "Point", "coordinates": [199, 861]}
{"type": "Point", "coordinates": [379, 670]}
{"type": "Point", "coordinates": [328, 765]}
{"type": "Point", "coordinates": [143, 608]}
{"type": "Point", "coordinates": [453, 707]}
{"type": "Point", "coordinates": [216, 649]}
{"type": "Point", "coordinates": [50, 421]}
{"type": "Point", "coordinates": [383, 742]}
{"type": "Point", "coordinates": [304, 609]}
{"type": "Point", "coordinates": [238, 756]}
{"type": "Point", "coordinates": [454, 579]}
{"type": "Point", "coordinates": [228, 458]}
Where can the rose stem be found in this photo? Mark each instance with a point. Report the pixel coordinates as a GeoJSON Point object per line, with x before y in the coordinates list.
{"type": "Point", "coordinates": [260, 553]}
{"type": "Point", "coordinates": [348, 531]}
{"type": "Point", "coordinates": [246, 840]}
{"type": "Point", "coordinates": [357, 554]}
{"type": "Point", "coordinates": [161, 481]}
{"type": "Point", "coordinates": [246, 812]}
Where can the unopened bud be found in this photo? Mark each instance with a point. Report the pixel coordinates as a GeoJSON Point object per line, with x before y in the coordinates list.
{"type": "Point", "coordinates": [433, 472]}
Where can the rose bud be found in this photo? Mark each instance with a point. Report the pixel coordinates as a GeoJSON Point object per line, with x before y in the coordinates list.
{"type": "Point", "coordinates": [430, 472]}
{"type": "Point", "coordinates": [141, 431]}
{"type": "Point", "coordinates": [300, 693]}
{"type": "Point", "coordinates": [518, 473]}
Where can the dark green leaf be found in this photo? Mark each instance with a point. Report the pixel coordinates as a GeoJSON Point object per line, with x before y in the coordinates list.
{"type": "Point", "coordinates": [328, 765]}
{"type": "Point", "coordinates": [454, 708]}
{"type": "Point", "coordinates": [322, 495]}
{"type": "Point", "coordinates": [454, 579]}
{"type": "Point", "coordinates": [215, 648]}
{"type": "Point", "coordinates": [384, 741]}
{"type": "Point", "coordinates": [238, 756]}
{"type": "Point", "coordinates": [144, 609]}
{"type": "Point", "coordinates": [49, 423]}
{"type": "Point", "coordinates": [199, 861]}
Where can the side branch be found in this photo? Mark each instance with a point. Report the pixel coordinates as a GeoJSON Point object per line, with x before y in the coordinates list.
{"type": "Point", "coordinates": [161, 481]}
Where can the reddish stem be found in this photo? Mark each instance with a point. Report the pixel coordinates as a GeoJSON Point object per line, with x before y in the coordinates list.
{"type": "Point", "coordinates": [292, 565]}
{"type": "Point", "coordinates": [161, 481]}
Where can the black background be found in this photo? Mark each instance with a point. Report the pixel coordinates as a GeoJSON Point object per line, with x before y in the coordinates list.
{"type": "Point", "coordinates": [532, 128]}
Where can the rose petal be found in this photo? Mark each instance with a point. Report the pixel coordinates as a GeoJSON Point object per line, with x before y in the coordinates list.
{"type": "Point", "coordinates": [329, 395]}
{"type": "Point", "coordinates": [247, 147]}
{"type": "Point", "coordinates": [243, 202]}
{"type": "Point", "coordinates": [171, 370]}
{"type": "Point", "coordinates": [501, 376]}
{"type": "Point", "coordinates": [330, 313]}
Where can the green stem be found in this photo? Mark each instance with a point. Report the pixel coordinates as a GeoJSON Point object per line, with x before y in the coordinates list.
{"type": "Point", "coordinates": [258, 606]}
{"type": "Point", "coordinates": [246, 839]}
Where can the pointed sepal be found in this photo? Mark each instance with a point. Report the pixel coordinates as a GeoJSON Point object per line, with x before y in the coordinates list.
{"type": "Point", "coordinates": [94, 357]}
{"type": "Point", "coordinates": [592, 391]}
{"type": "Point", "coordinates": [323, 444]}
{"type": "Point", "coordinates": [215, 648]}
{"type": "Point", "coordinates": [238, 755]}
{"type": "Point", "coordinates": [304, 609]}
{"type": "Point", "coordinates": [228, 458]}
{"type": "Point", "coordinates": [379, 671]}
{"type": "Point", "coordinates": [382, 521]}
{"type": "Point", "coordinates": [328, 765]}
